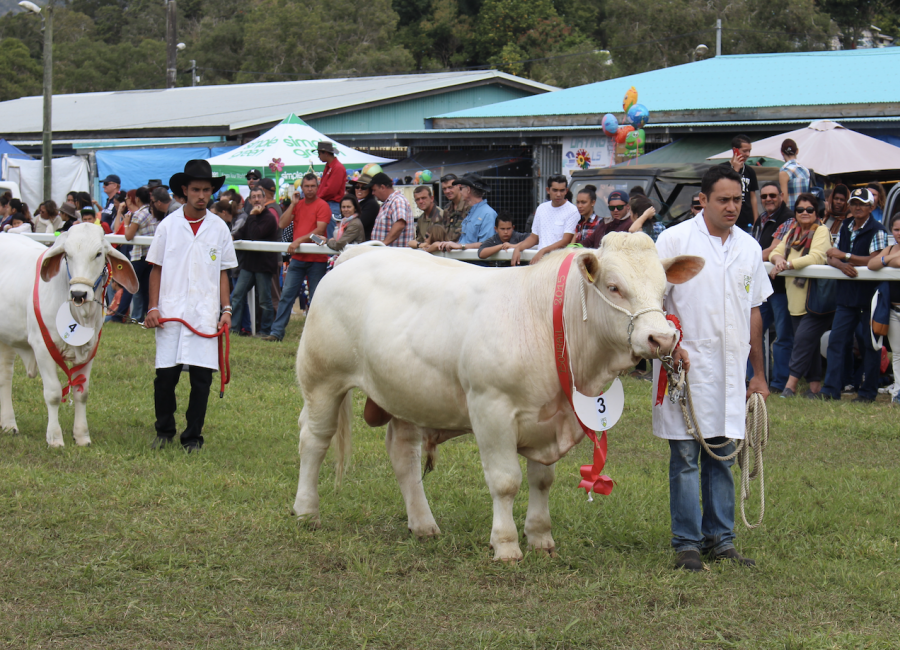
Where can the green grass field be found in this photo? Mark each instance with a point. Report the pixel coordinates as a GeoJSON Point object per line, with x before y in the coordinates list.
{"type": "Point", "coordinates": [119, 546]}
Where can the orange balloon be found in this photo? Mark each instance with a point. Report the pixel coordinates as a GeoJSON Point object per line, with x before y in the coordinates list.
{"type": "Point", "coordinates": [622, 133]}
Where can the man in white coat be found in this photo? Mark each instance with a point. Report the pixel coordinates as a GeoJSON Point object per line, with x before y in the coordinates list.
{"type": "Point", "coordinates": [191, 252]}
{"type": "Point", "coordinates": [722, 326]}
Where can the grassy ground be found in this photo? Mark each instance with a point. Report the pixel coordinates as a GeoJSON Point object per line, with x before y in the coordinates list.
{"type": "Point", "coordinates": [118, 546]}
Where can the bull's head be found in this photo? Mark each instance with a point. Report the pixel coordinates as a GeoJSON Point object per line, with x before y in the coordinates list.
{"type": "Point", "coordinates": [86, 253]}
{"type": "Point", "coordinates": [631, 279]}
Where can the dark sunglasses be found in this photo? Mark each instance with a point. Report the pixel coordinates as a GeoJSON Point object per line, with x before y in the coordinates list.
{"type": "Point", "coordinates": [613, 208]}
{"type": "Point", "coordinates": [108, 183]}
{"type": "Point", "coordinates": [807, 210]}
{"type": "Point", "coordinates": [768, 196]}
{"type": "Point", "coordinates": [253, 178]}
{"type": "Point", "coordinates": [696, 205]}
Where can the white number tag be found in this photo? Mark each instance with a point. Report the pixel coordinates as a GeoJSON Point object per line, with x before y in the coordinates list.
{"type": "Point", "coordinates": [602, 412]}
{"type": "Point", "coordinates": [71, 332]}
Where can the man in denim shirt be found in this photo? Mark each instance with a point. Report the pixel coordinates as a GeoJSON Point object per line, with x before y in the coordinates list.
{"type": "Point", "coordinates": [479, 223]}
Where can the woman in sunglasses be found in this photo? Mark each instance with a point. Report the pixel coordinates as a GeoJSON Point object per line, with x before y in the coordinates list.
{"type": "Point", "coordinates": [805, 242]}
{"type": "Point", "coordinates": [620, 221]}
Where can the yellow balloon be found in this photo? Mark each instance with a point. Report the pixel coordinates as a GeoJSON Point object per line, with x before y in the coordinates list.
{"type": "Point", "coordinates": [297, 183]}
{"type": "Point", "coordinates": [630, 100]}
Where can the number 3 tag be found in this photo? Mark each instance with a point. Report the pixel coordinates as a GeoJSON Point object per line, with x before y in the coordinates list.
{"type": "Point", "coordinates": [602, 412]}
{"type": "Point", "coordinates": [71, 332]}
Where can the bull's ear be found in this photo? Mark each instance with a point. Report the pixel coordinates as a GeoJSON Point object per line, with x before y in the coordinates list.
{"type": "Point", "coordinates": [53, 257]}
{"type": "Point", "coordinates": [122, 271]}
{"type": "Point", "coordinates": [682, 268]}
{"type": "Point", "coordinates": [589, 266]}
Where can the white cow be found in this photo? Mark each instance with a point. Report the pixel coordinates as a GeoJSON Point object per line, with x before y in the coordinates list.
{"type": "Point", "coordinates": [69, 272]}
{"type": "Point", "coordinates": [443, 348]}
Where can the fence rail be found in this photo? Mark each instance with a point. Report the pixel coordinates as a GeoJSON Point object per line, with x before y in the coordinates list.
{"type": "Point", "coordinates": [471, 255]}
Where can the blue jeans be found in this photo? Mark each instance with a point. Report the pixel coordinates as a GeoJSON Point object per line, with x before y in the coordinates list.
{"type": "Point", "coordinates": [713, 528]}
{"type": "Point", "coordinates": [263, 282]}
{"type": "Point", "coordinates": [784, 338]}
{"type": "Point", "coordinates": [297, 271]}
{"type": "Point", "coordinates": [847, 320]}
{"type": "Point", "coordinates": [335, 212]}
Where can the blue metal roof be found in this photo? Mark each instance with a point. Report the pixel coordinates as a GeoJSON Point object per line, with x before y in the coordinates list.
{"type": "Point", "coordinates": [727, 82]}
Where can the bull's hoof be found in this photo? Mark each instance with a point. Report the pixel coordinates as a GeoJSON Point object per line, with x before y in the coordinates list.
{"type": "Point", "coordinates": [14, 430]}
{"type": "Point", "coordinates": [509, 552]}
{"type": "Point", "coordinates": [425, 532]}
{"type": "Point", "coordinates": [83, 442]}
{"type": "Point", "coordinates": [308, 520]}
{"type": "Point", "coordinates": [56, 444]}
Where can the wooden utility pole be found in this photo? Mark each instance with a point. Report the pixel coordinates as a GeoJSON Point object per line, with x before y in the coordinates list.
{"type": "Point", "coordinates": [47, 140]}
{"type": "Point", "coordinates": [171, 44]}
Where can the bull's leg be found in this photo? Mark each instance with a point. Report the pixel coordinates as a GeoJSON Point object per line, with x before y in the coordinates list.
{"type": "Point", "coordinates": [52, 396]}
{"type": "Point", "coordinates": [80, 427]}
{"type": "Point", "coordinates": [497, 446]}
{"type": "Point", "coordinates": [404, 446]}
{"type": "Point", "coordinates": [318, 425]}
{"type": "Point", "coordinates": [7, 415]}
{"type": "Point", "coordinates": [537, 521]}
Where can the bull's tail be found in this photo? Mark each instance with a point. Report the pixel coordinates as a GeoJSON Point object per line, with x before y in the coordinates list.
{"type": "Point", "coordinates": [342, 442]}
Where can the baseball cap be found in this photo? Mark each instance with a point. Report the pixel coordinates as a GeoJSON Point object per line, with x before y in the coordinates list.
{"type": "Point", "coordinates": [863, 195]}
{"type": "Point", "coordinates": [111, 178]}
{"type": "Point", "coordinates": [267, 184]}
{"type": "Point", "coordinates": [381, 179]}
{"type": "Point", "coordinates": [253, 172]}
{"type": "Point", "coordinates": [617, 195]}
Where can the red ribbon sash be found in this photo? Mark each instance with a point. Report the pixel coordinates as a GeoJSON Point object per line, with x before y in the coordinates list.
{"type": "Point", "coordinates": [592, 479]}
{"type": "Point", "coordinates": [663, 381]}
{"type": "Point", "coordinates": [76, 379]}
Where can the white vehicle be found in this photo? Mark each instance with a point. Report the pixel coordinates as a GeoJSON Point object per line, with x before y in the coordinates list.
{"type": "Point", "coordinates": [12, 188]}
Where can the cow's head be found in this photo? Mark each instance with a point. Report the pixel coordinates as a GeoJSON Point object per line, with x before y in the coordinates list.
{"type": "Point", "coordinates": [86, 253]}
{"type": "Point", "coordinates": [627, 272]}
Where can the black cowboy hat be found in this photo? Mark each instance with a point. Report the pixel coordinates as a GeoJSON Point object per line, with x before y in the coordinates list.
{"type": "Point", "coordinates": [195, 170]}
{"type": "Point", "coordinates": [473, 180]}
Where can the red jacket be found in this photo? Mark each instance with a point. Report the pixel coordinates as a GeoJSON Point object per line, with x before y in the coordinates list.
{"type": "Point", "coordinates": [333, 185]}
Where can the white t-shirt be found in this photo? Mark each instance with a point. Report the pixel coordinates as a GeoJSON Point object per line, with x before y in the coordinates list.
{"type": "Point", "coordinates": [550, 224]}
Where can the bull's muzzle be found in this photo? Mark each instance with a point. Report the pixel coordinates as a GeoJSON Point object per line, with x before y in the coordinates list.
{"type": "Point", "coordinates": [78, 297]}
{"type": "Point", "coordinates": [661, 344]}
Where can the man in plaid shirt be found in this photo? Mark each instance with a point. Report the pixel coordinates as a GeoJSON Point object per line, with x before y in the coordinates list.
{"type": "Point", "coordinates": [395, 225]}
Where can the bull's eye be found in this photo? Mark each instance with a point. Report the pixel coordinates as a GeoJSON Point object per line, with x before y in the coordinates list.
{"type": "Point", "coordinates": [612, 288]}
{"type": "Point", "coordinates": [99, 254]}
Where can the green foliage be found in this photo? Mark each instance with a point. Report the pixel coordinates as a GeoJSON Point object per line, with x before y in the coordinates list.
{"type": "Point", "coordinates": [117, 546]}
{"type": "Point", "coordinates": [20, 75]}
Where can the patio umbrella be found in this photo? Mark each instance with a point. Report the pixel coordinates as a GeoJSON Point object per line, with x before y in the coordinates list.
{"type": "Point", "coordinates": [294, 142]}
{"type": "Point", "coordinates": [829, 148]}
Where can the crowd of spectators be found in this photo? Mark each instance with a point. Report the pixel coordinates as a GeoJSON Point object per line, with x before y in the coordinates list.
{"type": "Point", "coordinates": [794, 225]}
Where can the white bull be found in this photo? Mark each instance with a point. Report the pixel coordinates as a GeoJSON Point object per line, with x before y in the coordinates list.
{"type": "Point", "coordinates": [443, 348]}
{"type": "Point", "coordinates": [69, 271]}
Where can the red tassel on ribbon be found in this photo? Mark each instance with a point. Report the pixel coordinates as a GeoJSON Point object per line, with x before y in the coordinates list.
{"type": "Point", "coordinates": [592, 479]}
{"type": "Point", "coordinates": [663, 381]}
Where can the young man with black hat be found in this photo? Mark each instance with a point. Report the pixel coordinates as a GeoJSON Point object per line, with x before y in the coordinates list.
{"type": "Point", "coordinates": [191, 253]}
{"type": "Point", "coordinates": [111, 186]}
{"type": "Point", "coordinates": [333, 184]}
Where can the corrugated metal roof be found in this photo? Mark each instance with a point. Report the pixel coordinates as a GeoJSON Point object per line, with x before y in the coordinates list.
{"type": "Point", "coordinates": [236, 106]}
{"type": "Point", "coordinates": [727, 82]}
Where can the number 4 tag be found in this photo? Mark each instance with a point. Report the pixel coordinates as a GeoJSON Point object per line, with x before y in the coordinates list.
{"type": "Point", "coordinates": [602, 412]}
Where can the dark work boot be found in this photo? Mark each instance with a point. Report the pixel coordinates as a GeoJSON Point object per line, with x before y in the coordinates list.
{"type": "Point", "coordinates": [733, 556]}
{"type": "Point", "coordinates": [689, 561]}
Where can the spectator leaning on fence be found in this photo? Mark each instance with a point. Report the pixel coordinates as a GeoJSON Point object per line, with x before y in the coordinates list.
{"type": "Point", "coordinates": [504, 239]}
{"type": "Point", "coordinates": [555, 222]}
{"type": "Point", "coordinates": [431, 214]}
{"type": "Point", "coordinates": [350, 230]}
{"type": "Point", "coordinates": [804, 242]}
{"type": "Point", "coordinates": [478, 224]}
{"type": "Point", "coordinates": [140, 222]}
{"type": "Point", "coordinates": [395, 225]}
{"type": "Point", "coordinates": [859, 240]}
{"type": "Point", "coordinates": [48, 218]}
{"type": "Point", "coordinates": [890, 258]}
{"type": "Point", "coordinates": [310, 216]}
{"type": "Point", "coordinates": [456, 209]}
{"type": "Point", "coordinates": [112, 184]}
{"type": "Point", "coordinates": [368, 204]}
{"type": "Point", "coordinates": [836, 210]}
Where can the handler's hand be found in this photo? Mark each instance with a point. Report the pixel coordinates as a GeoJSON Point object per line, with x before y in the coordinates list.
{"type": "Point", "coordinates": [224, 319]}
{"type": "Point", "coordinates": [151, 320]}
{"type": "Point", "coordinates": [758, 385]}
{"type": "Point", "coordinates": [681, 355]}
{"type": "Point", "coordinates": [516, 255]}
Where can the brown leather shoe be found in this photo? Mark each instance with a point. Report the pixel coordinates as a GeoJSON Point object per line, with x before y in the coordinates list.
{"type": "Point", "coordinates": [689, 561]}
{"type": "Point", "coordinates": [733, 556]}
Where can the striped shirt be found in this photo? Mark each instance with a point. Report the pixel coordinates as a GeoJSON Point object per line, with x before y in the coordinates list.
{"type": "Point", "coordinates": [394, 209]}
{"type": "Point", "coordinates": [798, 181]}
{"type": "Point", "coordinates": [146, 224]}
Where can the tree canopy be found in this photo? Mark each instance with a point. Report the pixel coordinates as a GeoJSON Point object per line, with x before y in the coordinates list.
{"type": "Point", "coordinates": [120, 44]}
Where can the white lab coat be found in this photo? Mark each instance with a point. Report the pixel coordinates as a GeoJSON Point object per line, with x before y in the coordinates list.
{"type": "Point", "coordinates": [714, 310]}
{"type": "Point", "coordinates": [189, 287]}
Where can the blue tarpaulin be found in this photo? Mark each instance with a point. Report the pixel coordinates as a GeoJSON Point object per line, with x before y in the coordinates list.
{"type": "Point", "coordinates": [137, 166]}
{"type": "Point", "coordinates": [11, 151]}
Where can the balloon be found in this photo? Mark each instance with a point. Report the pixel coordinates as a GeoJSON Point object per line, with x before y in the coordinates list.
{"type": "Point", "coordinates": [631, 142]}
{"type": "Point", "coordinates": [418, 178]}
{"type": "Point", "coordinates": [371, 169]}
{"type": "Point", "coordinates": [641, 139]}
{"type": "Point", "coordinates": [622, 133]}
{"type": "Point", "coordinates": [638, 116]}
{"type": "Point", "coordinates": [426, 176]}
{"type": "Point", "coordinates": [630, 99]}
{"type": "Point", "coordinates": [297, 183]}
{"type": "Point", "coordinates": [610, 124]}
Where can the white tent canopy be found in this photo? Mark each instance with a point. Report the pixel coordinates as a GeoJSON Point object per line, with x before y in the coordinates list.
{"type": "Point", "coordinates": [295, 143]}
{"type": "Point", "coordinates": [829, 148]}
